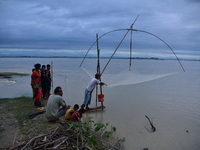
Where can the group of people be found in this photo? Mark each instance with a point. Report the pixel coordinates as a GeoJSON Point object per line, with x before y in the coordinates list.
{"type": "Point", "coordinates": [40, 83]}
{"type": "Point", "coordinates": [56, 106]}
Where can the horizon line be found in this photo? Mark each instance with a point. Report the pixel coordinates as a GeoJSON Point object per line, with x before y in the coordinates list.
{"type": "Point", "coordinates": [102, 57]}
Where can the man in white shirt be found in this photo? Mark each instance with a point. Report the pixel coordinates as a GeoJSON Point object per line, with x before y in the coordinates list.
{"type": "Point", "coordinates": [89, 89]}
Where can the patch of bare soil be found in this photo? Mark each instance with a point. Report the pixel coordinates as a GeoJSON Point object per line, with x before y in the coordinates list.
{"type": "Point", "coordinates": [14, 125]}
{"type": "Point", "coordinates": [8, 128]}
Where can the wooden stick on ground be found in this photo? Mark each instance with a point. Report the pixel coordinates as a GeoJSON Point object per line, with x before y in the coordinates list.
{"type": "Point", "coordinates": [153, 129]}
{"type": "Point", "coordinates": [32, 141]}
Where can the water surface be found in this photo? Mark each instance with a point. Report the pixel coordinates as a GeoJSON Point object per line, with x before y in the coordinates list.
{"type": "Point", "coordinates": [158, 89]}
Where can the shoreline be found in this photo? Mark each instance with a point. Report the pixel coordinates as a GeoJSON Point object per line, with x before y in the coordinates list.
{"type": "Point", "coordinates": [14, 112]}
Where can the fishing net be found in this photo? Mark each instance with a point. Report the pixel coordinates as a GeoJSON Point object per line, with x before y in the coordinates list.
{"type": "Point", "coordinates": [126, 77]}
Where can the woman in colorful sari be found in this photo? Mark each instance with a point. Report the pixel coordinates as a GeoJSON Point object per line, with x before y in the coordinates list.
{"type": "Point", "coordinates": [36, 86]}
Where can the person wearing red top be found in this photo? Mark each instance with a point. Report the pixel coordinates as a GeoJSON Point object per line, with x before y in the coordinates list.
{"type": "Point", "coordinates": [35, 83]}
{"type": "Point", "coordinates": [76, 116]}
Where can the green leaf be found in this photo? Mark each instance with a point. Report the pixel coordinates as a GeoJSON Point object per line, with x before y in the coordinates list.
{"type": "Point", "coordinates": [114, 129]}
{"type": "Point", "coordinates": [108, 133]}
{"type": "Point", "coordinates": [99, 126]}
{"type": "Point", "coordinates": [94, 142]}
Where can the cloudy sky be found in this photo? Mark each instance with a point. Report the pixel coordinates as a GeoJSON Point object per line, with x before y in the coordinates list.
{"type": "Point", "coordinates": [69, 27]}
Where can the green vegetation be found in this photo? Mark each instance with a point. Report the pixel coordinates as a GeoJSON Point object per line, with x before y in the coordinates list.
{"type": "Point", "coordinates": [11, 74]}
{"type": "Point", "coordinates": [95, 136]}
{"type": "Point", "coordinates": [20, 106]}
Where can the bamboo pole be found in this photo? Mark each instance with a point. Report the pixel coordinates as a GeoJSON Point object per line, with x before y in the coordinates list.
{"type": "Point", "coordinates": [131, 46]}
{"type": "Point", "coordinates": [52, 76]}
{"type": "Point", "coordinates": [114, 52]}
{"type": "Point", "coordinates": [96, 94]}
{"type": "Point", "coordinates": [98, 69]}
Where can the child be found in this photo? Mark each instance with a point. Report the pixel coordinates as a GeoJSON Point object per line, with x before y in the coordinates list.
{"type": "Point", "coordinates": [76, 116]}
{"type": "Point", "coordinates": [70, 111]}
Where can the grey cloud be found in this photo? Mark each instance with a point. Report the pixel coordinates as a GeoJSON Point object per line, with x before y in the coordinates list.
{"type": "Point", "coordinates": [73, 24]}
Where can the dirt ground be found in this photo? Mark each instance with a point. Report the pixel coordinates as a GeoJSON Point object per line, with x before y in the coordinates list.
{"type": "Point", "coordinates": [14, 125]}
{"type": "Point", "coordinates": [8, 129]}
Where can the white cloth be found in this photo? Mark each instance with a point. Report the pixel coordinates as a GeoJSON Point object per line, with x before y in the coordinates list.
{"type": "Point", "coordinates": [92, 84]}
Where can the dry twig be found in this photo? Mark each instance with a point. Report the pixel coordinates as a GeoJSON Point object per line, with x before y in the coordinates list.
{"type": "Point", "coordinates": [153, 129]}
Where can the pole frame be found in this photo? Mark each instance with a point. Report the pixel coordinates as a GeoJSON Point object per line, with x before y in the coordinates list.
{"type": "Point", "coordinates": [98, 71]}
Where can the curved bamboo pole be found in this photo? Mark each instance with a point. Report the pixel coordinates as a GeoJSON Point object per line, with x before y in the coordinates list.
{"type": "Point", "coordinates": [147, 33]}
{"type": "Point", "coordinates": [130, 29]}
{"type": "Point", "coordinates": [165, 44]}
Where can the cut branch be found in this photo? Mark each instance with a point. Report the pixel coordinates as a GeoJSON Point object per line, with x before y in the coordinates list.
{"type": "Point", "coordinates": [153, 129]}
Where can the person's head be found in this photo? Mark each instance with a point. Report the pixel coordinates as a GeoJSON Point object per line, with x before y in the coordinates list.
{"type": "Point", "coordinates": [58, 91]}
{"type": "Point", "coordinates": [76, 107]}
{"type": "Point", "coordinates": [97, 76]}
{"type": "Point", "coordinates": [37, 66]}
{"type": "Point", "coordinates": [48, 67]}
{"type": "Point", "coordinates": [33, 69]}
{"type": "Point", "coordinates": [43, 67]}
{"type": "Point", "coordinates": [81, 110]}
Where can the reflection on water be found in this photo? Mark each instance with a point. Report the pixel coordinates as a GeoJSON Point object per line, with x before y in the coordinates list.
{"type": "Point", "coordinates": [96, 115]}
{"type": "Point", "coordinates": [4, 82]}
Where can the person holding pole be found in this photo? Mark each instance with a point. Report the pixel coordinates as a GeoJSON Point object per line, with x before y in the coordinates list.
{"type": "Point", "coordinates": [89, 89]}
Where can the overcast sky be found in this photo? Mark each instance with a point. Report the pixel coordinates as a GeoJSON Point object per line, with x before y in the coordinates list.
{"type": "Point", "coordinates": [66, 27]}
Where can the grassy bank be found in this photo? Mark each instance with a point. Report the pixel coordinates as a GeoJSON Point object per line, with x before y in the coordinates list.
{"type": "Point", "coordinates": [16, 128]}
{"type": "Point", "coordinates": [20, 106]}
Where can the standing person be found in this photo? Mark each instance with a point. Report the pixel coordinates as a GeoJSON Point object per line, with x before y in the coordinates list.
{"type": "Point", "coordinates": [48, 80]}
{"type": "Point", "coordinates": [32, 82]}
{"type": "Point", "coordinates": [56, 106]}
{"type": "Point", "coordinates": [89, 89]}
{"type": "Point", "coordinates": [36, 86]}
{"type": "Point", "coordinates": [43, 81]}
{"type": "Point", "coordinates": [70, 111]}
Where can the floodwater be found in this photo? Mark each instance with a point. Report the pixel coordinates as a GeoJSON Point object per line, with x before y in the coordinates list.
{"type": "Point", "coordinates": [156, 88]}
